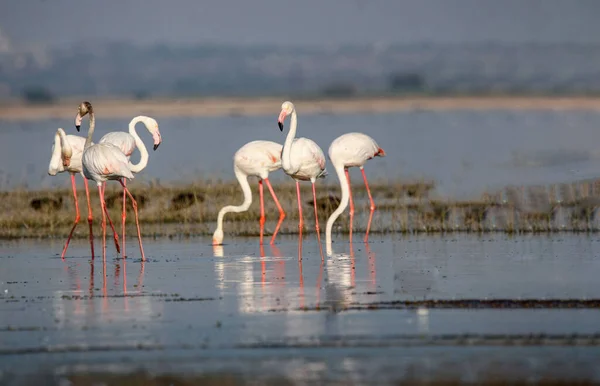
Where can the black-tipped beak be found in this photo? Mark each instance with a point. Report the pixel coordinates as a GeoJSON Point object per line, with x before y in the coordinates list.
{"type": "Point", "coordinates": [78, 127]}
{"type": "Point", "coordinates": [156, 146]}
{"type": "Point", "coordinates": [280, 126]}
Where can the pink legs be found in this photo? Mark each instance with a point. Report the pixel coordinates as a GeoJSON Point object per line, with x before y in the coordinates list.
{"type": "Point", "coordinates": [76, 218]}
{"type": "Point", "coordinates": [103, 210]}
{"type": "Point", "coordinates": [111, 223]}
{"type": "Point", "coordinates": [262, 211]}
{"type": "Point", "coordinates": [301, 221]}
{"type": "Point", "coordinates": [137, 221]}
{"type": "Point", "coordinates": [90, 218]}
{"type": "Point", "coordinates": [281, 212]}
{"type": "Point", "coordinates": [123, 216]}
{"type": "Point", "coordinates": [351, 203]}
{"type": "Point", "coordinates": [317, 228]}
{"type": "Point", "coordinates": [372, 203]}
{"type": "Point", "coordinates": [87, 195]}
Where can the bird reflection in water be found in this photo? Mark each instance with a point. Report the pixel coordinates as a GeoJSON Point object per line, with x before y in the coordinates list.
{"type": "Point", "coordinates": [74, 307]}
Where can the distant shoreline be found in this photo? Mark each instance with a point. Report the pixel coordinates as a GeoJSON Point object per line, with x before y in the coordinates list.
{"type": "Point", "coordinates": [218, 107]}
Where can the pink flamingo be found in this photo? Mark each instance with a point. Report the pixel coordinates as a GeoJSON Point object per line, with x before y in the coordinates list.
{"type": "Point", "coordinates": [66, 157]}
{"type": "Point", "coordinates": [128, 142]}
{"type": "Point", "coordinates": [102, 162]}
{"type": "Point", "coordinates": [302, 159]}
{"type": "Point", "coordinates": [256, 158]}
{"type": "Point", "coordinates": [348, 150]}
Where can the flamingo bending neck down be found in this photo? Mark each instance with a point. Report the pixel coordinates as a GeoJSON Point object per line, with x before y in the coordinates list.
{"type": "Point", "coordinates": [128, 142]}
{"type": "Point", "coordinates": [102, 162]}
{"type": "Point", "coordinates": [302, 159]}
{"type": "Point", "coordinates": [256, 158]}
{"type": "Point", "coordinates": [66, 157]}
{"type": "Point", "coordinates": [348, 150]}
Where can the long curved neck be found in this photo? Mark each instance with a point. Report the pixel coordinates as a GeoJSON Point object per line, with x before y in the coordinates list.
{"type": "Point", "coordinates": [136, 168]}
{"type": "Point", "coordinates": [66, 150]}
{"type": "Point", "coordinates": [88, 140]}
{"type": "Point", "coordinates": [286, 155]}
{"type": "Point", "coordinates": [339, 169]}
{"type": "Point", "coordinates": [243, 180]}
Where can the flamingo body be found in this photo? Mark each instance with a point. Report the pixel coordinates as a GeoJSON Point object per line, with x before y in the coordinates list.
{"type": "Point", "coordinates": [57, 161]}
{"type": "Point", "coordinates": [307, 161]}
{"type": "Point", "coordinates": [122, 140]}
{"type": "Point", "coordinates": [103, 161]}
{"type": "Point", "coordinates": [353, 149]}
{"type": "Point", "coordinates": [256, 158]}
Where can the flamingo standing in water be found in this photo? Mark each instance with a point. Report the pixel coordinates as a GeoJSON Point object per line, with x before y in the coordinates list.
{"type": "Point", "coordinates": [256, 158]}
{"type": "Point", "coordinates": [348, 150]}
{"type": "Point", "coordinates": [302, 159]}
{"type": "Point", "coordinates": [66, 157]}
{"type": "Point", "coordinates": [128, 142]}
{"type": "Point", "coordinates": [102, 162]}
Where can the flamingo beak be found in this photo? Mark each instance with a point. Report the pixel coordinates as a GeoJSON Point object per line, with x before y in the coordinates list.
{"type": "Point", "coordinates": [157, 139]}
{"type": "Point", "coordinates": [78, 121]}
{"type": "Point", "coordinates": [281, 119]}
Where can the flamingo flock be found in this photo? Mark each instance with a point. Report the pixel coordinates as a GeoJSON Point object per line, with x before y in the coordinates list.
{"type": "Point", "coordinates": [300, 158]}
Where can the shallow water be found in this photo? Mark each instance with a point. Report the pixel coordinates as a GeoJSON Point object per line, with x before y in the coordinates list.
{"type": "Point", "coordinates": [464, 152]}
{"type": "Point", "coordinates": [263, 312]}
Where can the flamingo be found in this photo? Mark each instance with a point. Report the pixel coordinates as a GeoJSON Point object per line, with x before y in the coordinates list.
{"type": "Point", "coordinates": [128, 142]}
{"type": "Point", "coordinates": [66, 157]}
{"type": "Point", "coordinates": [302, 159]}
{"type": "Point", "coordinates": [102, 162]}
{"type": "Point", "coordinates": [348, 150]}
{"type": "Point", "coordinates": [256, 158]}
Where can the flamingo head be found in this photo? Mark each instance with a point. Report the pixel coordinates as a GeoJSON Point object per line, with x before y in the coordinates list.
{"type": "Point", "coordinates": [287, 108]}
{"type": "Point", "coordinates": [218, 237]}
{"type": "Point", "coordinates": [84, 108]}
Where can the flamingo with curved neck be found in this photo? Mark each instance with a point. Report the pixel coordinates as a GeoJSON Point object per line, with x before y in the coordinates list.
{"type": "Point", "coordinates": [302, 159]}
{"type": "Point", "coordinates": [256, 158]}
{"type": "Point", "coordinates": [350, 150]}
{"type": "Point", "coordinates": [128, 142]}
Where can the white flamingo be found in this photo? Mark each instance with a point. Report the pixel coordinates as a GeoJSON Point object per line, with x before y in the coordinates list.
{"type": "Point", "coordinates": [102, 162]}
{"type": "Point", "coordinates": [256, 158]}
{"type": "Point", "coordinates": [348, 150]}
{"type": "Point", "coordinates": [66, 157]}
{"type": "Point", "coordinates": [302, 159]}
{"type": "Point", "coordinates": [128, 142]}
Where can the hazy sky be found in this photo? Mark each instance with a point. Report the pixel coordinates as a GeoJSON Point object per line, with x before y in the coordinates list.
{"type": "Point", "coordinates": [321, 22]}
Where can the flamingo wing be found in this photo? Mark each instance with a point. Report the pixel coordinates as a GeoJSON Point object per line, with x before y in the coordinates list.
{"type": "Point", "coordinates": [120, 139]}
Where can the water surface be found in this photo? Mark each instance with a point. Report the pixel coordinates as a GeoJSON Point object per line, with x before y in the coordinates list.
{"type": "Point", "coordinates": [264, 312]}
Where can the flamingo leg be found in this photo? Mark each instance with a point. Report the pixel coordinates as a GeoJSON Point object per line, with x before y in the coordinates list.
{"type": "Point", "coordinates": [123, 216]}
{"type": "Point", "coordinates": [76, 217]}
{"type": "Point", "coordinates": [111, 224]}
{"type": "Point", "coordinates": [351, 203]}
{"type": "Point", "coordinates": [281, 212]}
{"type": "Point", "coordinates": [89, 204]}
{"type": "Point", "coordinates": [372, 204]}
{"type": "Point", "coordinates": [317, 228]}
{"type": "Point", "coordinates": [137, 221]}
{"type": "Point", "coordinates": [301, 221]}
{"type": "Point", "coordinates": [262, 211]}
{"type": "Point", "coordinates": [103, 210]}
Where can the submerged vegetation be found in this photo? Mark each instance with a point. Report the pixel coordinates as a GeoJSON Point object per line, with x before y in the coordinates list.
{"type": "Point", "coordinates": [402, 206]}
